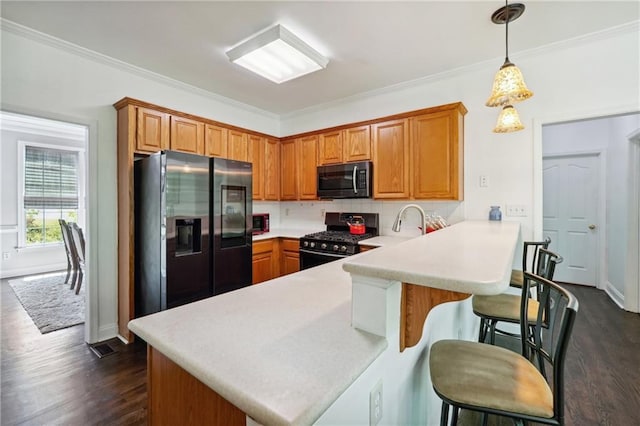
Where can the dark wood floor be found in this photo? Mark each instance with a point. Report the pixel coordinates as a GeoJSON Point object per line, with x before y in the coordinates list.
{"type": "Point", "coordinates": [55, 378]}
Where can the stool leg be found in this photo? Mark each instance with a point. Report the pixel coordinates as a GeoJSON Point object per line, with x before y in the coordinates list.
{"type": "Point", "coordinates": [485, 419]}
{"type": "Point", "coordinates": [444, 414]}
{"type": "Point", "coordinates": [482, 333]}
{"type": "Point", "coordinates": [454, 417]}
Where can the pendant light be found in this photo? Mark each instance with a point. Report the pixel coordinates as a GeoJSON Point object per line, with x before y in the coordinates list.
{"type": "Point", "coordinates": [508, 121]}
{"type": "Point", "coordinates": [508, 85]}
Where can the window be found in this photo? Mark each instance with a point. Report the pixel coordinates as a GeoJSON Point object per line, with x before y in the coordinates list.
{"type": "Point", "coordinates": [51, 190]}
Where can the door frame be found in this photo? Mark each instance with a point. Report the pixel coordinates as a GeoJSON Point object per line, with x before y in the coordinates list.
{"type": "Point", "coordinates": [632, 277]}
{"type": "Point", "coordinates": [601, 282]}
{"type": "Point", "coordinates": [91, 326]}
{"type": "Point", "coordinates": [561, 117]}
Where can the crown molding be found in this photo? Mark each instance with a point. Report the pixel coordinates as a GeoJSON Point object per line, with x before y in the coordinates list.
{"type": "Point", "coordinates": [42, 126]}
{"type": "Point", "coordinates": [49, 40]}
{"type": "Point", "coordinates": [490, 64]}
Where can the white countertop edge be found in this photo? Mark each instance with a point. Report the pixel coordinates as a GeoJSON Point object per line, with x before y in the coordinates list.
{"type": "Point", "coordinates": [469, 257]}
{"type": "Point", "coordinates": [287, 233]}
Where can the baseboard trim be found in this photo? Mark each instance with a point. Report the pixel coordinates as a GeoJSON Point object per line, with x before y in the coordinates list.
{"type": "Point", "coordinates": [614, 294]}
{"type": "Point", "coordinates": [32, 270]}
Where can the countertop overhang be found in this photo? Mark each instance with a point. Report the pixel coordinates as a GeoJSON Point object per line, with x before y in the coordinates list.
{"type": "Point", "coordinates": [469, 257]}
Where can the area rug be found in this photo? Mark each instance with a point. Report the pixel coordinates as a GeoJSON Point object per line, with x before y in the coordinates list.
{"type": "Point", "coordinates": [49, 301]}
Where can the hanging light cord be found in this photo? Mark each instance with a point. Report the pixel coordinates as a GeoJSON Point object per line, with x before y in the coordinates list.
{"type": "Point", "coordinates": [506, 32]}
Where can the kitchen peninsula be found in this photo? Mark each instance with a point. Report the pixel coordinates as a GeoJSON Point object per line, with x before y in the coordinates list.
{"type": "Point", "coordinates": [286, 352]}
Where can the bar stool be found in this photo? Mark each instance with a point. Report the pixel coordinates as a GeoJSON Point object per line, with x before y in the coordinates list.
{"type": "Point", "coordinates": [528, 265]}
{"type": "Point", "coordinates": [494, 380]}
{"type": "Point", "coordinates": [505, 307]}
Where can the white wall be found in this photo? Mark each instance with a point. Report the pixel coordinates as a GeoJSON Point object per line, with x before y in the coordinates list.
{"type": "Point", "coordinates": [608, 135]}
{"type": "Point", "coordinates": [45, 77]}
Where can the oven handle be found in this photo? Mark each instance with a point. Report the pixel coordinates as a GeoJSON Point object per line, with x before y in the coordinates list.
{"type": "Point", "coordinates": [324, 254]}
{"type": "Point", "coordinates": [353, 179]}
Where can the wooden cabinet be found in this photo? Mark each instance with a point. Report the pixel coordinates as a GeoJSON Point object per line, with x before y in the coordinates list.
{"type": "Point", "coordinates": [357, 143]}
{"type": "Point", "coordinates": [288, 170]}
{"type": "Point", "coordinates": [265, 260]}
{"type": "Point", "coordinates": [187, 135]}
{"type": "Point", "coordinates": [215, 141]}
{"type": "Point", "coordinates": [238, 145]}
{"type": "Point", "coordinates": [256, 157]}
{"type": "Point", "coordinates": [308, 165]}
{"type": "Point", "coordinates": [271, 170]}
{"type": "Point", "coordinates": [290, 256]}
{"type": "Point", "coordinates": [436, 142]}
{"type": "Point", "coordinates": [390, 143]}
{"type": "Point", "coordinates": [330, 147]}
{"type": "Point", "coordinates": [343, 146]}
{"type": "Point", "coordinates": [152, 130]}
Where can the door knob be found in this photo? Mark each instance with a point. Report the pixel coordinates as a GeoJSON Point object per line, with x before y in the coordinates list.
{"type": "Point", "coordinates": [592, 226]}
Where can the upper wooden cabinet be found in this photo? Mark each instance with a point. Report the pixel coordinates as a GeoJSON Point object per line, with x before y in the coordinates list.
{"type": "Point", "coordinates": [152, 130]}
{"type": "Point", "coordinates": [330, 150]}
{"type": "Point", "coordinates": [257, 151]}
{"type": "Point", "coordinates": [238, 145]}
{"type": "Point", "coordinates": [215, 141]}
{"type": "Point", "coordinates": [437, 155]}
{"type": "Point", "coordinates": [288, 170]}
{"type": "Point", "coordinates": [308, 167]}
{"type": "Point", "coordinates": [357, 143]}
{"type": "Point", "coordinates": [391, 159]}
{"type": "Point", "coordinates": [187, 135]}
{"type": "Point", "coordinates": [272, 170]}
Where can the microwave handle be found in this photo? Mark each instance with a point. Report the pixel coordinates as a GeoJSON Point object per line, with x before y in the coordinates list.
{"type": "Point", "coordinates": [355, 171]}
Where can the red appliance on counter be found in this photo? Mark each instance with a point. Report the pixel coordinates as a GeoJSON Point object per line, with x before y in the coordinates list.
{"type": "Point", "coordinates": [260, 223]}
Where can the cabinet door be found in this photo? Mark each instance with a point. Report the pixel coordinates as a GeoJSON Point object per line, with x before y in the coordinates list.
{"type": "Point", "coordinates": [272, 170]}
{"type": "Point", "coordinates": [215, 141]}
{"type": "Point", "coordinates": [187, 135]}
{"type": "Point", "coordinates": [257, 148]}
{"type": "Point", "coordinates": [288, 170]}
{"type": "Point", "coordinates": [263, 261]}
{"type": "Point", "coordinates": [436, 152]}
{"type": "Point", "coordinates": [330, 148]}
{"type": "Point", "coordinates": [308, 168]}
{"type": "Point", "coordinates": [238, 148]}
{"type": "Point", "coordinates": [390, 159]}
{"type": "Point", "coordinates": [357, 144]}
{"type": "Point", "coordinates": [290, 256]}
{"type": "Point", "coordinates": [152, 130]}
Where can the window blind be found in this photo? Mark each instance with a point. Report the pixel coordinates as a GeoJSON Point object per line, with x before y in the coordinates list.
{"type": "Point", "coordinates": [51, 178]}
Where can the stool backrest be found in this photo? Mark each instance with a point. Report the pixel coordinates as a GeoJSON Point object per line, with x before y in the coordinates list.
{"type": "Point", "coordinates": [533, 247]}
{"type": "Point", "coordinates": [545, 342]}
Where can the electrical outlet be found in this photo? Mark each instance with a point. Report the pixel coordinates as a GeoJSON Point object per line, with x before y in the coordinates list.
{"type": "Point", "coordinates": [516, 210]}
{"type": "Point", "coordinates": [484, 181]}
{"type": "Point", "coordinates": [286, 211]}
{"type": "Point", "coordinates": [375, 404]}
{"type": "Point", "coordinates": [322, 214]}
{"type": "Point", "coordinates": [6, 255]}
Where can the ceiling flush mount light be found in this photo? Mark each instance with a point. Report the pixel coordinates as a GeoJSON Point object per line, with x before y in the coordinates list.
{"type": "Point", "coordinates": [277, 54]}
{"type": "Point", "coordinates": [508, 121]}
{"type": "Point", "coordinates": [508, 85]}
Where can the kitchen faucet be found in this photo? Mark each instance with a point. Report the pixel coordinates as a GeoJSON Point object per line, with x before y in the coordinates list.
{"type": "Point", "coordinates": [398, 221]}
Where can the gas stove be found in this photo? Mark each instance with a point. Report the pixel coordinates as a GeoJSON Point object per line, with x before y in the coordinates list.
{"type": "Point", "coordinates": [336, 242]}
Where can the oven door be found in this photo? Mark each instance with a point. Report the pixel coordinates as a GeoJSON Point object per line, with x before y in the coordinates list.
{"type": "Point", "coordinates": [309, 259]}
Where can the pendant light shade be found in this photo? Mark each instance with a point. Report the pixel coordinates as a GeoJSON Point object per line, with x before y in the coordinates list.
{"type": "Point", "coordinates": [508, 121]}
{"type": "Point", "coordinates": [508, 85]}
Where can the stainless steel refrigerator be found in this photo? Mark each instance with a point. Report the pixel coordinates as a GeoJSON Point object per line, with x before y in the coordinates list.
{"type": "Point", "coordinates": [192, 218]}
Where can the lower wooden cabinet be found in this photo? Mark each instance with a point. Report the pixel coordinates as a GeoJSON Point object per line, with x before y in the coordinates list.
{"type": "Point", "coordinates": [290, 256]}
{"type": "Point", "coordinates": [275, 257]}
{"type": "Point", "coordinates": [265, 262]}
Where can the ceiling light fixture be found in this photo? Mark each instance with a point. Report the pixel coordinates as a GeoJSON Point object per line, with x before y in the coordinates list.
{"type": "Point", "coordinates": [508, 85]}
{"type": "Point", "coordinates": [277, 54]}
{"type": "Point", "coordinates": [508, 120]}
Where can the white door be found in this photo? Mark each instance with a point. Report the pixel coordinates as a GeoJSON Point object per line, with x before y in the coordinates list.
{"type": "Point", "coordinates": [570, 212]}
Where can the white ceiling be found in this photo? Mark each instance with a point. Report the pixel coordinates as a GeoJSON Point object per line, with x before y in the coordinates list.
{"type": "Point", "coordinates": [370, 45]}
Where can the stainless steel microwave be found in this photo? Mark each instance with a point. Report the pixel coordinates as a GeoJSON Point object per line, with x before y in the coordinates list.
{"type": "Point", "coordinates": [350, 180]}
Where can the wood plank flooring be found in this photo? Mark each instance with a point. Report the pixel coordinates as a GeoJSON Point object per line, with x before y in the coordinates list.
{"type": "Point", "coordinates": [56, 379]}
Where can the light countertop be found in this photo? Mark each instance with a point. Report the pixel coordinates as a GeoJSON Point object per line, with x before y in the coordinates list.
{"type": "Point", "coordinates": [288, 233]}
{"type": "Point", "coordinates": [383, 241]}
{"type": "Point", "coordinates": [468, 257]}
{"type": "Point", "coordinates": [285, 350]}
{"type": "Point", "coordinates": [281, 351]}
